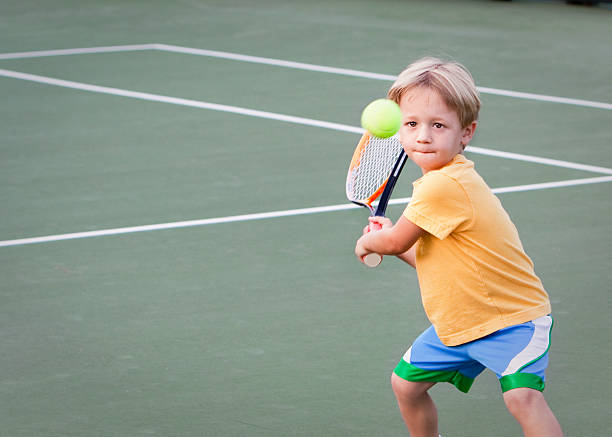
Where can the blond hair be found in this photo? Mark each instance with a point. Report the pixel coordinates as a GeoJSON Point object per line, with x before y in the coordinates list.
{"type": "Point", "coordinates": [451, 80]}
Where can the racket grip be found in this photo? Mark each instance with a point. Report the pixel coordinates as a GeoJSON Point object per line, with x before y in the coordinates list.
{"type": "Point", "coordinates": [372, 259]}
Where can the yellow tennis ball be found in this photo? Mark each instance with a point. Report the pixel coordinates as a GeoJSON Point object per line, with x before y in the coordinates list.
{"type": "Point", "coordinates": [382, 118]}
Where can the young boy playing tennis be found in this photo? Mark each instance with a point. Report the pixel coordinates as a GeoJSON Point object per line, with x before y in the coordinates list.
{"type": "Point", "coordinates": [487, 307]}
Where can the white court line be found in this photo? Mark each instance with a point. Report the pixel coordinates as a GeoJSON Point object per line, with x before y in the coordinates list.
{"type": "Point", "coordinates": [538, 160]}
{"type": "Point", "coordinates": [269, 215]}
{"type": "Point", "coordinates": [269, 115]}
{"type": "Point", "coordinates": [78, 51]}
{"type": "Point", "coordinates": [545, 98]}
{"type": "Point", "coordinates": [275, 62]}
{"type": "Point", "coordinates": [290, 64]}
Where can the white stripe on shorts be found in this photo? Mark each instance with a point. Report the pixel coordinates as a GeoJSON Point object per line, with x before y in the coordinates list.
{"type": "Point", "coordinates": [408, 355]}
{"type": "Point", "coordinates": [538, 345]}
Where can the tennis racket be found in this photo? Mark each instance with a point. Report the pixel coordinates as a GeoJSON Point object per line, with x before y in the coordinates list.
{"type": "Point", "coordinates": [373, 172]}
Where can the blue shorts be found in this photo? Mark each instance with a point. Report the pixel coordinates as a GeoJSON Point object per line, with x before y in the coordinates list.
{"type": "Point", "coordinates": [518, 355]}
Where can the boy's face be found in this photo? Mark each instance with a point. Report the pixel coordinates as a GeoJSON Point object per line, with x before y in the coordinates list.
{"type": "Point", "coordinates": [431, 133]}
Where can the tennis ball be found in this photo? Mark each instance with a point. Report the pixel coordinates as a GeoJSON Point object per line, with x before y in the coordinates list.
{"type": "Point", "coordinates": [382, 118]}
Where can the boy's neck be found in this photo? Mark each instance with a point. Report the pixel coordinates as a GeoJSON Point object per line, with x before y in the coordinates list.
{"type": "Point", "coordinates": [448, 163]}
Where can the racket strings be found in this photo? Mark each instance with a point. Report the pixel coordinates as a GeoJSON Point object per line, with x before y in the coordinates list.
{"type": "Point", "coordinates": [371, 170]}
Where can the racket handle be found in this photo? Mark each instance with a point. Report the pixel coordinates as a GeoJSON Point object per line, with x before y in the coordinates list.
{"type": "Point", "coordinates": [373, 259]}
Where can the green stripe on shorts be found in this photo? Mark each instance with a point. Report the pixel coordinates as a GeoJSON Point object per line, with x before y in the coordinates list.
{"type": "Point", "coordinates": [412, 373]}
{"type": "Point", "coordinates": [521, 380]}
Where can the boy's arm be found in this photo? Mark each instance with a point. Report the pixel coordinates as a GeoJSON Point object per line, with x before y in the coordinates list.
{"type": "Point", "coordinates": [390, 240]}
{"type": "Point", "coordinates": [409, 256]}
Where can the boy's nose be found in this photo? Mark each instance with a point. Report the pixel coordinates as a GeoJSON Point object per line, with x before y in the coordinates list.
{"type": "Point", "coordinates": [424, 135]}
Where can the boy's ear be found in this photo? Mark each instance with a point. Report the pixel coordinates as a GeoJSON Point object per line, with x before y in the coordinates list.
{"type": "Point", "coordinates": [468, 133]}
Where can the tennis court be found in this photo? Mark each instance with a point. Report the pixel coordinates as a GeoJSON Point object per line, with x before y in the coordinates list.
{"type": "Point", "coordinates": [176, 248]}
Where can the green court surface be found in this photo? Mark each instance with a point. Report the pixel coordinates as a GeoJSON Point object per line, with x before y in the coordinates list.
{"type": "Point", "coordinates": [217, 320]}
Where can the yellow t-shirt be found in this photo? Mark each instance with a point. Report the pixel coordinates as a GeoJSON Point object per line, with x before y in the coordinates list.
{"type": "Point", "coordinates": [474, 275]}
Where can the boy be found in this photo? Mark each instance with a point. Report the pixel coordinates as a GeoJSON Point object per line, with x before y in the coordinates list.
{"type": "Point", "coordinates": [487, 307]}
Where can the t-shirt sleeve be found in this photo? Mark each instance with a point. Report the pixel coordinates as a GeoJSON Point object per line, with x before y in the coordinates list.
{"type": "Point", "coordinates": [439, 205]}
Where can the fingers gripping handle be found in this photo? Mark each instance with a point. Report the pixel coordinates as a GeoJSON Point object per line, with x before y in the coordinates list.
{"type": "Point", "coordinates": [373, 259]}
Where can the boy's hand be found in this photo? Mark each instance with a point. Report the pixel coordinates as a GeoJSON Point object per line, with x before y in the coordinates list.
{"type": "Point", "coordinates": [364, 255]}
{"type": "Point", "coordinates": [377, 223]}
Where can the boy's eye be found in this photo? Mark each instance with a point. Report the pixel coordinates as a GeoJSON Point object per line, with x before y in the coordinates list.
{"type": "Point", "coordinates": [410, 123]}
{"type": "Point", "coordinates": [438, 125]}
